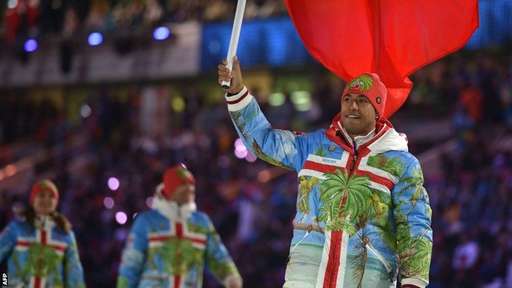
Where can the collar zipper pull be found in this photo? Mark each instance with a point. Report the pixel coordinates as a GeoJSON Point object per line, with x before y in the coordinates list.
{"type": "Point", "coordinates": [354, 158]}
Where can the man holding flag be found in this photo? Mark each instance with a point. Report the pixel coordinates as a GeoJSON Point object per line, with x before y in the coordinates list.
{"type": "Point", "coordinates": [363, 215]}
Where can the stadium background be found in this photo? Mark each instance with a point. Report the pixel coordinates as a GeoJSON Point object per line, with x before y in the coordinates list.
{"type": "Point", "coordinates": [102, 95]}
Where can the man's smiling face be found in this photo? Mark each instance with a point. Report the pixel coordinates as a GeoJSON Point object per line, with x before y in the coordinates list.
{"type": "Point", "coordinates": [358, 116]}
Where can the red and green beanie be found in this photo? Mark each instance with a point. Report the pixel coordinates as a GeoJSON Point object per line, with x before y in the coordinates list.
{"type": "Point", "coordinates": [175, 177]}
{"type": "Point", "coordinates": [43, 185]}
{"type": "Point", "coordinates": [369, 85]}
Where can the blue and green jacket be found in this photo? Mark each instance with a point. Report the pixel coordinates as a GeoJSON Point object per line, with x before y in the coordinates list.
{"type": "Point", "coordinates": [169, 246]}
{"type": "Point", "coordinates": [361, 200]}
{"type": "Point", "coordinates": [41, 256]}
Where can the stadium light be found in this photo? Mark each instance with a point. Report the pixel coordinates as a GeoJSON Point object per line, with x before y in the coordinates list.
{"type": "Point", "coordinates": [240, 149]}
{"type": "Point", "coordinates": [85, 111]}
{"type": "Point", "coordinates": [113, 183]}
{"type": "Point", "coordinates": [95, 39]}
{"type": "Point", "coordinates": [30, 45]}
{"type": "Point", "coordinates": [121, 217]}
{"type": "Point", "coordinates": [108, 202]}
{"type": "Point", "coordinates": [161, 33]}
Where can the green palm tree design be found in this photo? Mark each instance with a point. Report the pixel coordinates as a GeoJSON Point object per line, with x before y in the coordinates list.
{"type": "Point", "coordinates": [360, 260]}
{"type": "Point", "coordinates": [379, 206]}
{"type": "Point", "coordinates": [197, 228]}
{"type": "Point", "coordinates": [414, 251]}
{"type": "Point", "coordinates": [387, 235]}
{"type": "Point", "coordinates": [42, 261]}
{"type": "Point", "coordinates": [393, 166]}
{"type": "Point", "coordinates": [178, 256]}
{"type": "Point", "coordinates": [415, 257]}
{"type": "Point", "coordinates": [418, 195]}
{"type": "Point", "coordinates": [345, 200]}
{"type": "Point", "coordinates": [306, 184]}
{"type": "Point", "coordinates": [221, 269]}
{"type": "Point", "coordinates": [259, 152]}
{"type": "Point", "coordinates": [415, 181]}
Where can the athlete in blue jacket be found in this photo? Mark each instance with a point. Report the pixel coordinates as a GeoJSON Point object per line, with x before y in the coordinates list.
{"type": "Point", "coordinates": [170, 245]}
{"type": "Point", "coordinates": [363, 216]}
{"type": "Point", "coordinates": [41, 247]}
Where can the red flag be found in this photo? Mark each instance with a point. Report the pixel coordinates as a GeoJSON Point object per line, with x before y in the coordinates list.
{"type": "Point", "coordinates": [392, 38]}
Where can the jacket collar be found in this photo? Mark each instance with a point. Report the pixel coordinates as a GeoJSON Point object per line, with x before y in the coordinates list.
{"type": "Point", "coordinates": [384, 138]}
{"type": "Point", "coordinates": [44, 222]}
{"type": "Point", "coordinates": [171, 209]}
{"type": "Point", "coordinates": [358, 140]}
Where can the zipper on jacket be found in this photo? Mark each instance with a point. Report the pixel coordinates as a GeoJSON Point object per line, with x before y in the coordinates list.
{"type": "Point", "coordinates": [354, 158]}
{"type": "Point", "coordinates": [353, 153]}
{"type": "Point", "coordinates": [379, 256]}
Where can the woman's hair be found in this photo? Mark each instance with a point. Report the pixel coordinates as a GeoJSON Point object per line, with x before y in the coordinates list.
{"type": "Point", "coordinates": [60, 220]}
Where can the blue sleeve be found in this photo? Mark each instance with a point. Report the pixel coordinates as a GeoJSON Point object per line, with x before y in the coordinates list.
{"type": "Point", "coordinates": [73, 268]}
{"type": "Point", "coordinates": [413, 215]}
{"type": "Point", "coordinates": [133, 258]}
{"type": "Point", "coordinates": [278, 147]}
{"type": "Point", "coordinates": [8, 239]}
{"type": "Point", "coordinates": [218, 260]}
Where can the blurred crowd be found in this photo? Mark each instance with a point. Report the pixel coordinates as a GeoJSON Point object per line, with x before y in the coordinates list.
{"type": "Point", "coordinates": [111, 132]}
{"type": "Point", "coordinates": [472, 212]}
{"type": "Point", "coordinates": [23, 18]}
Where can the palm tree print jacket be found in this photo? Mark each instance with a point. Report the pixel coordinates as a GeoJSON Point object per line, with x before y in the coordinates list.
{"type": "Point", "coordinates": [169, 246]}
{"type": "Point", "coordinates": [40, 257]}
{"type": "Point", "coordinates": [366, 206]}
